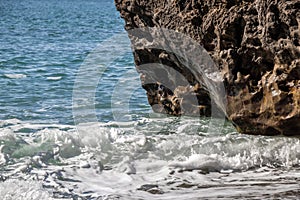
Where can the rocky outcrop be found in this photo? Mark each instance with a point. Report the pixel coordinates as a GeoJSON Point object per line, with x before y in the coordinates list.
{"type": "Point", "coordinates": [255, 44]}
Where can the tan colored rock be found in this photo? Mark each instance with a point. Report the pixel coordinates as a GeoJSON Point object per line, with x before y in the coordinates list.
{"type": "Point", "coordinates": [256, 45]}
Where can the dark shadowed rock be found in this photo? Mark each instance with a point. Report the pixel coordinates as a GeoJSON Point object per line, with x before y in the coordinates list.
{"type": "Point", "coordinates": [255, 44]}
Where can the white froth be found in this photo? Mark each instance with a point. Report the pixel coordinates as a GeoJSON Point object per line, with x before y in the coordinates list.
{"type": "Point", "coordinates": [15, 76]}
{"type": "Point", "coordinates": [54, 78]}
{"type": "Point", "coordinates": [20, 190]}
{"type": "Point", "coordinates": [171, 157]}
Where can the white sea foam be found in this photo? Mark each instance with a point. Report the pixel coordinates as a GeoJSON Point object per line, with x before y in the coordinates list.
{"type": "Point", "coordinates": [126, 159]}
{"type": "Point", "coordinates": [54, 78]}
{"type": "Point", "coordinates": [3, 157]}
{"type": "Point", "coordinates": [23, 190]}
{"type": "Point", "coordinates": [15, 76]}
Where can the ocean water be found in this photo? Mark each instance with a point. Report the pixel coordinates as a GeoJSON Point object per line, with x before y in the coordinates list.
{"type": "Point", "coordinates": [128, 152]}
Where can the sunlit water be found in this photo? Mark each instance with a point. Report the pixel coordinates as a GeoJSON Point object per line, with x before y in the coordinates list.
{"type": "Point", "coordinates": [146, 156]}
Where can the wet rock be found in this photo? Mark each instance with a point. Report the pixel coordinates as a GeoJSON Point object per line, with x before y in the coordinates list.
{"type": "Point", "coordinates": [185, 185]}
{"type": "Point", "coordinates": [2, 178]}
{"type": "Point", "coordinates": [153, 189]}
{"type": "Point", "coordinates": [255, 44]}
{"type": "Point", "coordinates": [147, 187]}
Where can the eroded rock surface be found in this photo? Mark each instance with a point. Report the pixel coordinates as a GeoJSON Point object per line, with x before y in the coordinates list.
{"type": "Point", "coordinates": [255, 44]}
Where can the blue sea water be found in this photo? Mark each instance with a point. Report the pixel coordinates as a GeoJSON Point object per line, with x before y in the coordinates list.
{"type": "Point", "coordinates": [42, 45]}
{"type": "Point", "coordinates": [43, 155]}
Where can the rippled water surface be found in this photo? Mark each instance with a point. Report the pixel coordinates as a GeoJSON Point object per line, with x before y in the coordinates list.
{"type": "Point", "coordinates": [133, 154]}
{"type": "Point", "coordinates": [42, 45]}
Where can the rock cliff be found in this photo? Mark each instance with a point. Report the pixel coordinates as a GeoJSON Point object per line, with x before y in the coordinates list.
{"type": "Point", "coordinates": [254, 43]}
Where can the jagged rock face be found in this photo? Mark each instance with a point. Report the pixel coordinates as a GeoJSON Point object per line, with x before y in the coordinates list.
{"type": "Point", "coordinates": [255, 44]}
